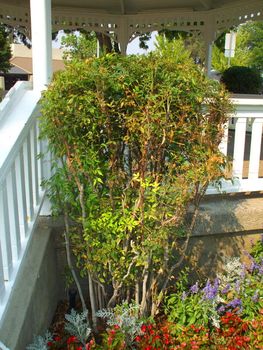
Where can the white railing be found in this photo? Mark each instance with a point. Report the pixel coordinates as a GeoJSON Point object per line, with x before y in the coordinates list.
{"type": "Point", "coordinates": [21, 172]}
{"type": "Point", "coordinates": [243, 143]}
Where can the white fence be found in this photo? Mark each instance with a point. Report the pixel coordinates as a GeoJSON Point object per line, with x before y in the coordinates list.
{"type": "Point", "coordinates": [21, 171]}
{"type": "Point", "coordinates": [243, 143]}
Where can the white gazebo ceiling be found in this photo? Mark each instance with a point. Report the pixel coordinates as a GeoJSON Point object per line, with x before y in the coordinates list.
{"type": "Point", "coordinates": [137, 6]}
{"type": "Point", "coordinates": [127, 19]}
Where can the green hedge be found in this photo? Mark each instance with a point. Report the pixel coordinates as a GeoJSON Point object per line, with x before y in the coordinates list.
{"type": "Point", "coordinates": [243, 80]}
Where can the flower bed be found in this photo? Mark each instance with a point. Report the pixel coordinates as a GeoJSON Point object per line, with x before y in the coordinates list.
{"type": "Point", "coordinates": [224, 314]}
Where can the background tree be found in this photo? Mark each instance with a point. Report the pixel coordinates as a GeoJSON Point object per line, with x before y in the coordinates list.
{"type": "Point", "coordinates": [249, 48]}
{"type": "Point", "coordinates": [81, 42]}
{"type": "Point", "coordinates": [192, 42]}
{"type": "Point", "coordinates": [79, 45]}
{"type": "Point", "coordinates": [251, 42]}
{"type": "Point", "coordinates": [5, 50]}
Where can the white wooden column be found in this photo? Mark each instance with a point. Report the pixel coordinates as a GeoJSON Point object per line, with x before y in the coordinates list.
{"type": "Point", "coordinates": [208, 57]}
{"type": "Point", "coordinates": [209, 36]}
{"type": "Point", "coordinates": [255, 148]}
{"type": "Point", "coordinates": [123, 36]}
{"type": "Point", "coordinates": [40, 11]}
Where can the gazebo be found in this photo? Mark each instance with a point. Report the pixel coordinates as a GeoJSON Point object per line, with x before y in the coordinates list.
{"type": "Point", "coordinates": [24, 291]}
{"type": "Point", "coordinates": [122, 19]}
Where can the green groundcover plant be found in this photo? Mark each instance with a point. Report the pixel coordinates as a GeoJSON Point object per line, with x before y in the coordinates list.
{"type": "Point", "coordinates": [134, 143]}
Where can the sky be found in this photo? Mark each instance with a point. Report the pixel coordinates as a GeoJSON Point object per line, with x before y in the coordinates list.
{"type": "Point", "coordinates": [133, 47]}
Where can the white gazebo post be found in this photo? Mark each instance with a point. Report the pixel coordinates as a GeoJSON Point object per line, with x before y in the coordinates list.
{"type": "Point", "coordinates": [123, 37]}
{"type": "Point", "coordinates": [209, 37]}
{"type": "Point", "coordinates": [208, 57]}
{"type": "Point", "coordinates": [40, 11]}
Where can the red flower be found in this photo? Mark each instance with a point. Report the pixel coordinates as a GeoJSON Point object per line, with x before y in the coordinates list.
{"type": "Point", "coordinates": [143, 328]}
{"type": "Point", "coordinates": [57, 338]}
{"type": "Point", "coordinates": [49, 343]}
{"type": "Point", "coordinates": [138, 338]}
{"type": "Point", "coordinates": [72, 340]}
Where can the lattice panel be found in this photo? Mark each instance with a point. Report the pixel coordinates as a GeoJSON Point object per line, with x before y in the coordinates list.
{"type": "Point", "coordinates": [236, 16]}
{"type": "Point", "coordinates": [126, 28]}
{"type": "Point", "coordinates": [14, 16]}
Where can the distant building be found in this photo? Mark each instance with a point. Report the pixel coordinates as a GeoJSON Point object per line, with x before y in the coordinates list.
{"type": "Point", "coordinates": [22, 65]}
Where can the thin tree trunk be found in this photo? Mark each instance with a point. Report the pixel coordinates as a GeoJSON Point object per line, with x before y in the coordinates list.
{"type": "Point", "coordinates": [70, 265]}
{"type": "Point", "coordinates": [144, 292]}
{"type": "Point", "coordinates": [114, 297]}
{"type": "Point", "coordinates": [198, 198]}
{"type": "Point", "coordinates": [137, 292]}
{"type": "Point", "coordinates": [92, 302]}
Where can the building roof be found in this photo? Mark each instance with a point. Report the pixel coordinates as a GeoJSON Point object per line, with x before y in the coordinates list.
{"type": "Point", "coordinates": [25, 64]}
{"type": "Point", "coordinates": [17, 70]}
{"type": "Point", "coordinates": [22, 60]}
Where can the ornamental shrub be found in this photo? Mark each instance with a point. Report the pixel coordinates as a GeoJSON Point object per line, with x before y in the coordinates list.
{"type": "Point", "coordinates": [243, 80]}
{"type": "Point", "coordinates": [135, 142]}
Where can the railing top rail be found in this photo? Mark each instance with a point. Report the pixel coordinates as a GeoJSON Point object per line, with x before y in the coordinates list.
{"type": "Point", "coordinates": [247, 100]}
{"type": "Point", "coordinates": [14, 123]}
{"type": "Point", "coordinates": [13, 95]}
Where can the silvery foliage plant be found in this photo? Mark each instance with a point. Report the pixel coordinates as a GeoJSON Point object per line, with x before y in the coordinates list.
{"type": "Point", "coordinates": [126, 316]}
{"type": "Point", "coordinates": [40, 342]}
{"type": "Point", "coordinates": [78, 325]}
{"type": "Point", "coordinates": [233, 270]}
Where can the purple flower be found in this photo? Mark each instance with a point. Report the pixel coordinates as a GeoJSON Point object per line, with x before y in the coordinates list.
{"type": "Point", "coordinates": [255, 297]}
{"type": "Point", "coordinates": [243, 272]}
{"type": "Point", "coordinates": [235, 303]}
{"type": "Point", "coordinates": [253, 266]}
{"type": "Point", "coordinates": [210, 291]}
{"type": "Point", "coordinates": [184, 296]}
{"type": "Point", "coordinates": [216, 283]}
{"type": "Point", "coordinates": [221, 309]}
{"type": "Point", "coordinates": [226, 289]}
{"type": "Point", "coordinates": [195, 288]}
{"type": "Point", "coordinates": [237, 286]}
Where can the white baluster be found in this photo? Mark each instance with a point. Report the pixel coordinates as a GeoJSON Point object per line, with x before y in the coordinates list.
{"type": "Point", "coordinates": [13, 214]}
{"type": "Point", "coordinates": [35, 164]}
{"type": "Point", "coordinates": [255, 149]}
{"type": "Point", "coordinates": [2, 280]}
{"type": "Point", "coordinates": [28, 178]}
{"type": "Point", "coordinates": [223, 144]}
{"type": "Point", "coordinates": [239, 147]}
{"type": "Point", "coordinates": [5, 233]}
{"type": "Point", "coordinates": [21, 193]}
